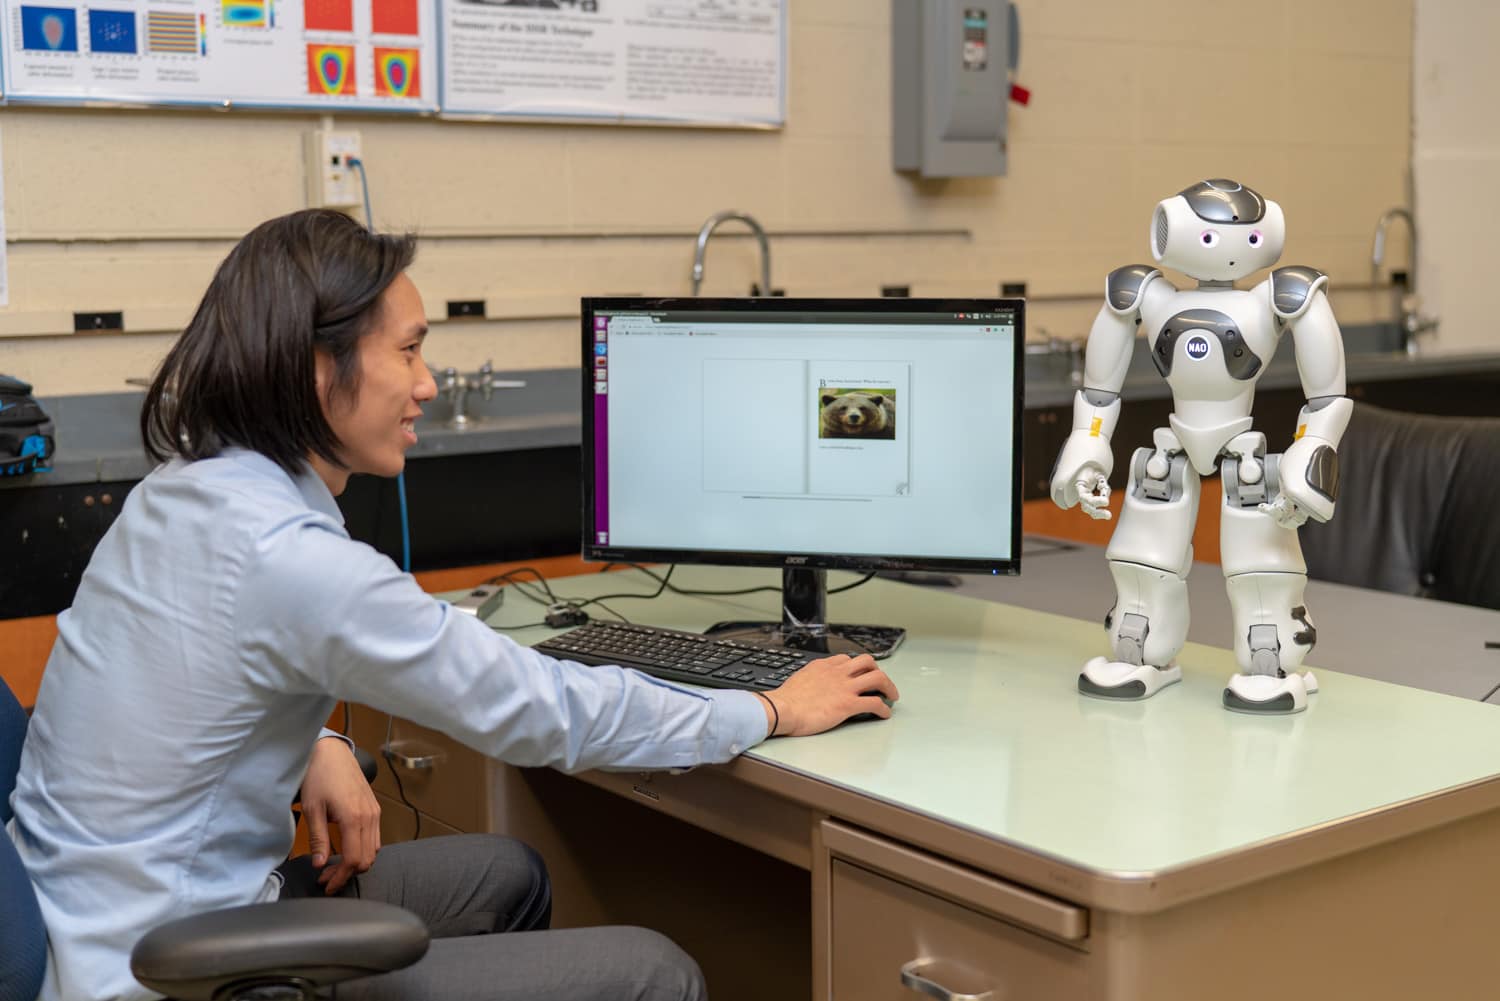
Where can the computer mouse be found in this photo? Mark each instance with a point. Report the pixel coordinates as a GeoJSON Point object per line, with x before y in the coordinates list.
{"type": "Point", "coordinates": [863, 717]}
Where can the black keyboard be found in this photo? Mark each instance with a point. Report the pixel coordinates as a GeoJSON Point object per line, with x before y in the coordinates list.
{"type": "Point", "coordinates": [677, 656]}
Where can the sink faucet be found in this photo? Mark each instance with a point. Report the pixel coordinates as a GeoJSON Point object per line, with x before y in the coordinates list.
{"type": "Point", "coordinates": [712, 224]}
{"type": "Point", "coordinates": [457, 387]}
{"type": "Point", "coordinates": [1408, 303]}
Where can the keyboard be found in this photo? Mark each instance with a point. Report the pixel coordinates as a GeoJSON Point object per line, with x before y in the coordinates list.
{"type": "Point", "coordinates": [677, 656]}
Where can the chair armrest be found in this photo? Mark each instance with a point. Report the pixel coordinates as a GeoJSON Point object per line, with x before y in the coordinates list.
{"type": "Point", "coordinates": [318, 941]}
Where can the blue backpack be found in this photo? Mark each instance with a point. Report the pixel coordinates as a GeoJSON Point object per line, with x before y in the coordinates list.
{"type": "Point", "coordinates": [26, 441]}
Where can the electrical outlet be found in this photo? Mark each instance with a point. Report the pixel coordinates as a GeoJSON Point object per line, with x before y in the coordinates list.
{"type": "Point", "coordinates": [331, 182]}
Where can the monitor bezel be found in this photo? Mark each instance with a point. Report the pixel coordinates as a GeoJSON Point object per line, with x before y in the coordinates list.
{"type": "Point", "coordinates": [594, 552]}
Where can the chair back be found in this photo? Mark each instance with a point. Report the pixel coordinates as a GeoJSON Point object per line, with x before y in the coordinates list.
{"type": "Point", "coordinates": [1415, 511]}
{"type": "Point", "coordinates": [23, 947]}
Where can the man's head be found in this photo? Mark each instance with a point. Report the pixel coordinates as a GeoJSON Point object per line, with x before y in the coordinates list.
{"type": "Point", "coordinates": [274, 359]}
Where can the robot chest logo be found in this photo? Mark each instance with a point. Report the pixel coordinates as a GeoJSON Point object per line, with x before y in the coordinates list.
{"type": "Point", "coordinates": [1197, 348]}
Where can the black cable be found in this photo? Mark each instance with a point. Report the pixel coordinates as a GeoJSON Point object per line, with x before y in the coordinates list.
{"type": "Point", "coordinates": [385, 750]}
{"type": "Point", "coordinates": [527, 588]}
{"type": "Point", "coordinates": [667, 586]}
{"type": "Point", "coordinates": [849, 587]}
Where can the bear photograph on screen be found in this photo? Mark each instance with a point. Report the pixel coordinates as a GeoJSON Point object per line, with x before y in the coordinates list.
{"type": "Point", "coordinates": [857, 412]}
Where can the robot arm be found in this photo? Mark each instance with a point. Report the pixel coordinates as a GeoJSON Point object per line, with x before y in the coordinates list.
{"type": "Point", "coordinates": [1309, 470]}
{"type": "Point", "coordinates": [1081, 473]}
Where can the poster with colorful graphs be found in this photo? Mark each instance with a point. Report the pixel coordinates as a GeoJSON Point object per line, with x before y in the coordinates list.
{"type": "Point", "coordinates": [316, 54]}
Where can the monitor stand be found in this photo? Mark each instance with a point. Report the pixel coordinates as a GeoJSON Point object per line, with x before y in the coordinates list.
{"type": "Point", "coordinates": [804, 622]}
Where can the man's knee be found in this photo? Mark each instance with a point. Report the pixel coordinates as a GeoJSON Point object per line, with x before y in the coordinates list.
{"type": "Point", "coordinates": [666, 973]}
{"type": "Point", "coordinates": [518, 875]}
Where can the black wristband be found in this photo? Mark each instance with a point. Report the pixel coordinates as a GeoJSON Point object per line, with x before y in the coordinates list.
{"type": "Point", "coordinates": [775, 714]}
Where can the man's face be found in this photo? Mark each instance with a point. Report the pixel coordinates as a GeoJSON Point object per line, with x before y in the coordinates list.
{"type": "Point", "coordinates": [375, 424]}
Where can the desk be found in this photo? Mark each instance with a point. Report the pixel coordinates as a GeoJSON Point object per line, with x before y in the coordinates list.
{"type": "Point", "coordinates": [1050, 845]}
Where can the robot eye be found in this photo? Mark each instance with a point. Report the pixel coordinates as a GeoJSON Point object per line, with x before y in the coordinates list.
{"type": "Point", "coordinates": [1209, 238]}
{"type": "Point", "coordinates": [1255, 238]}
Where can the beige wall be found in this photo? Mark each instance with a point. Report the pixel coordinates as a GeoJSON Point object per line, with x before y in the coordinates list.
{"type": "Point", "coordinates": [1132, 102]}
{"type": "Point", "coordinates": [1456, 163]}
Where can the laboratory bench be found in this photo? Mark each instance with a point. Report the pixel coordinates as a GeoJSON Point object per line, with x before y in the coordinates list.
{"type": "Point", "coordinates": [508, 487]}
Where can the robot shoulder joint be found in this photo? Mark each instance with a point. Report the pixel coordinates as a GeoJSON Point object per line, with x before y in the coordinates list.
{"type": "Point", "coordinates": [1292, 289]}
{"type": "Point", "coordinates": [1124, 286]}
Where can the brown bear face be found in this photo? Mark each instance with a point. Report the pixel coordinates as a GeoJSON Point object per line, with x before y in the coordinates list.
{"type": "Point", "coordinates": [858, 415]}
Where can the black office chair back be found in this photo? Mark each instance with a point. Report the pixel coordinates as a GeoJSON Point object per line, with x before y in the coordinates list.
{"type": "Point", "coordinates": [1415, 512]}
{"type": "Point", "coordinates": [23, 947]}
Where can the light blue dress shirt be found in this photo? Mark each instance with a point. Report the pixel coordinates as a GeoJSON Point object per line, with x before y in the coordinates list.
{"type": "Point", "coordinates": [218, 622]}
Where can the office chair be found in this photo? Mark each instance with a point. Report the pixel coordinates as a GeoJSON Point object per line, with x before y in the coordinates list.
{"type": "Point", "coordinates": [1416, 512]}
{"type": "Point", "coordinates": [296, 947]}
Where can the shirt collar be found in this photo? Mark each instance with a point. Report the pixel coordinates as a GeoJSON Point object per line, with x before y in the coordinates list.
{"type": "Point", "coordinates": [308, 484]}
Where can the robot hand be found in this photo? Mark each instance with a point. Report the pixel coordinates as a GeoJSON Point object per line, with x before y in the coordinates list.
{"type": "Point", "coordinates": [1286, 512]}
{"type": "Point", "coordinates": [1092, 487]}
{"type": "Point", "coordinates": [1308, 473]}
{"type": "Point", "coordinates": [1082, 475]}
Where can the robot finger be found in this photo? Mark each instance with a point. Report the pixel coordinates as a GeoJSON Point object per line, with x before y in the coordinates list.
{"type": "Point", "coordinates": [1285, 513]}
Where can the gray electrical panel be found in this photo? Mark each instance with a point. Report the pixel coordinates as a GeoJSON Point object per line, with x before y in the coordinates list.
{"type": "Point", "coordinates": [951, 62]}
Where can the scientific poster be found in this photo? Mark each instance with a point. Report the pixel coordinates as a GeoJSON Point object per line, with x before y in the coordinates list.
{"type": "Point", "coordinates": [319, 54]}
{"type": "Point", "coordinates": [719, 62]}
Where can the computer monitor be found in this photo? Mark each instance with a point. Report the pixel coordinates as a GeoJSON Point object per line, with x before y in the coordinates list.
{"type": "Point", "coordinates": [806, 434]}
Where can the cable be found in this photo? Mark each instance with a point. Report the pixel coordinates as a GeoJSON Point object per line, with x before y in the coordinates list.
{"type": "Point", "coordinates": [385, 750]}
{"type": "Point", "coordinates": [364, 187]}
{"type": "Point", "coordinates": [849, 587]}
{"type": "Point", "coordinates": [405, 524]}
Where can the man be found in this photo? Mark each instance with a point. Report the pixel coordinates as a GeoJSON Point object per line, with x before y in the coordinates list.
{"type": "Point", "coordinates": [227, 610]}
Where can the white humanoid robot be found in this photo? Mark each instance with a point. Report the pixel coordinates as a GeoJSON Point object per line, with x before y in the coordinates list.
{"type": "Point", "coordinates": [1211, 344]}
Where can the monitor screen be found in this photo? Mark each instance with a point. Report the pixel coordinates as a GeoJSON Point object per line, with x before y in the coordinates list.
{"type": "Point", "coordinates": [862, 434]}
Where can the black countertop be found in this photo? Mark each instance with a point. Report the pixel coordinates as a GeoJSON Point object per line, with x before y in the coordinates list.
{"type": "Point", "coordinates": [98, 438]}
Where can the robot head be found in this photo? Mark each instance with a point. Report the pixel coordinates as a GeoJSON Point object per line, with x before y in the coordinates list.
{"type": "Point", "coordinates": [1217, 230]}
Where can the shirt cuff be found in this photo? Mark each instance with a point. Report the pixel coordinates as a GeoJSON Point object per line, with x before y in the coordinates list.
{"type": "Point", "coordinates": [744, 719]}
{"type": "Point", "coordinates": [325, 732]}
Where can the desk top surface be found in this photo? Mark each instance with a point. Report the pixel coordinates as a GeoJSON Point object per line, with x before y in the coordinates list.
{"type": "Point", "coordinates": [991, 735]}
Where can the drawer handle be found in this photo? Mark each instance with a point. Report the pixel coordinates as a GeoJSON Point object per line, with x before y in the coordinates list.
{"type": "Point", "coordinates": [912, 979]}
{"type": "Point", "coordinates": [412, 756]}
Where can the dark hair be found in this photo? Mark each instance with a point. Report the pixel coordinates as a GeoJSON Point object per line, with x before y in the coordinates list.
{"type": "Point", "coordinates": [242, 373]}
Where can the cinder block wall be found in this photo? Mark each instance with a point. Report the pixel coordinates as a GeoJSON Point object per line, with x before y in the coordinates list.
{"type": "Point", "coordinates": [132, 210]}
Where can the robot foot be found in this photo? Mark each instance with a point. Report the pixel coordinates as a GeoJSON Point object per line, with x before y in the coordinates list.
{"type": "Point", "coordinates": [1266, 695]}
{"type": "Point", "coordinates": [1113, 679]}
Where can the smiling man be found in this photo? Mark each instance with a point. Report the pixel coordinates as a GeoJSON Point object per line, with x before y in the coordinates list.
{"type": "Point", "coordinates": [227, 610]}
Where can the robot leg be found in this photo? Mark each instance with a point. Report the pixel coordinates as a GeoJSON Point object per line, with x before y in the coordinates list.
{"type": "Point", "coordinates": [1149, 557]}
{"type": "Point", "coordinates": [1266, 577]}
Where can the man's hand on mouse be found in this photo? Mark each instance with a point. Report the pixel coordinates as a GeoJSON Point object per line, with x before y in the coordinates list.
{"type": "Point", "coordinates": [824, 693]}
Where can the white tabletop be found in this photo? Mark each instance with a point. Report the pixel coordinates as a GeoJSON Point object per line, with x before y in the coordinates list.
{"type": "Point", "coordinates": [991, 734]}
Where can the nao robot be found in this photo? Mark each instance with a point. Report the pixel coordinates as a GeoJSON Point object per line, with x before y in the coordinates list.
{"type": "Point", "coordinates": [1211, 343]}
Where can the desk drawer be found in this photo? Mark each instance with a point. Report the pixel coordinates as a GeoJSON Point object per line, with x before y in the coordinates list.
{"type": "Point", "coordinates": [965, 931]}
{"type": "Point", "coordinates": [441, 777]}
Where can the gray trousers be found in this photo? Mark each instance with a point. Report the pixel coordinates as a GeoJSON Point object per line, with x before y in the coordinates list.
{"type": "Point", "coordinates": [487, 901]}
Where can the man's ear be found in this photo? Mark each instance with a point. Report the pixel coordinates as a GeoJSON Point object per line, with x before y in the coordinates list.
{"type": "Point", "coordinates": [322, 373]}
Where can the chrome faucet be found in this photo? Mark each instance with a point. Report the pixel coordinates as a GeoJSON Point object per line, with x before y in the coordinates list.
{"type": "Point", "coordinates": [457, 387]}
{"type": "Point", "coordinates": [712, 224]}
{"type": "Point", "coordinates": [1408, 303]}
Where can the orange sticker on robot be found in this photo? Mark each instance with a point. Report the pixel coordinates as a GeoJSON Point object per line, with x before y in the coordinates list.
{"type": "Point", "coordinates": [1094, 427]}
{"type": "Point", "coordinates": [1301, 430]}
